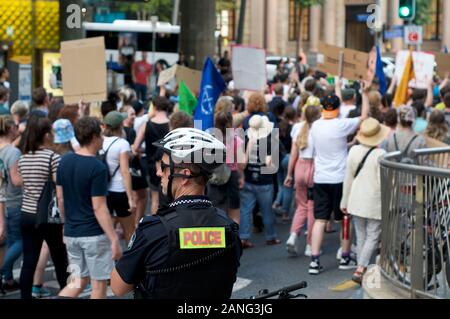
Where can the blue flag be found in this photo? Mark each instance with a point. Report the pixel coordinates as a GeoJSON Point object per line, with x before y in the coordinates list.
{"type": "Point", "coordinates": [211, 87]}
{"type": "Point", "coordinates": [380, 73]}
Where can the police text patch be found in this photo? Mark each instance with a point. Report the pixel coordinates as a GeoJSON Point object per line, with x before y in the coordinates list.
{"type": "Point", "coordinates": [202, 238]}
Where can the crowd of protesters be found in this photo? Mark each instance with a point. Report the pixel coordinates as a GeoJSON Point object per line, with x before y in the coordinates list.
{"type": "Point", "coordinates": [105, 168]}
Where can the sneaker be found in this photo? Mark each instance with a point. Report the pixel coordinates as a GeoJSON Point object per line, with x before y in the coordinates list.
{"type": "Point", "coordinates": [40, 292]}
{"type": "Point", "coordinates": [315, 268]}
{"type": "Point", "coordinates": [2, 291]}
{"type": "Point", "coordinates": [352, 252]}
{"type": "Point", "coordinates": [347, 263]}
{"type": "Point", "coordinates": [291, 245]}
{"type": "Point", "coordinates": [87, 289]}
{"type": "Point", "coordinates": [308, 251]}
{"type": "Point", "coordinates": [11, 286]}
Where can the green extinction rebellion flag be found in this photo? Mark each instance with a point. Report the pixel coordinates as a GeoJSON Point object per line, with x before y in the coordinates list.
{"type": "Point", "coordinates": [187, 101]}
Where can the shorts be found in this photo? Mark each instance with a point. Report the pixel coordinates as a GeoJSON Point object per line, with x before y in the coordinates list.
{"type": "Point", "coordinates": [327, 199]}
{"type": "Point", "coordinates": [118, 204]}
{"type": "Point", "coordinates": [139, 182]}
{"type": "Point", "coordinates": [226, 196]}
{"type": "Point", "coordinates": [90, 257]}
{"type": "Point", "coordinates": [153, 179]}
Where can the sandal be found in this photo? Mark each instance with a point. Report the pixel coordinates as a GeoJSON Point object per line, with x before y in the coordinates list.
{"type": "Point", "coordinates": [358, 276]}
{"type": "Point", "coordinates": [247, 244]}
{"type": "Point", "coordinates": [273, 242]}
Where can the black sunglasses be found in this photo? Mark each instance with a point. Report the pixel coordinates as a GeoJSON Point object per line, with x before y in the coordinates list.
{"type": "Point", "coordinates": [164, 166]}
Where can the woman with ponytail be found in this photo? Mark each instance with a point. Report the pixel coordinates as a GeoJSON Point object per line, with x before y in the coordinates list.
{"type": "Point", "coordinates": [302, 154]}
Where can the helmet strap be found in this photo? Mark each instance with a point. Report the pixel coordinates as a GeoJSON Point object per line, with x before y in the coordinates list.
{"type": "Point", "coordinates": [171, 177]}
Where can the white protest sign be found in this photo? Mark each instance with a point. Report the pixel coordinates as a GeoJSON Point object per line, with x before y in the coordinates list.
{"type": "Point", "coordinates": [249, 68]}
{"type": "Point", "coordinates": [423, 68]}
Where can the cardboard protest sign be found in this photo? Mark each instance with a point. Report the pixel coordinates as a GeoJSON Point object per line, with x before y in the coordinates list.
{"type": "Point", "coordinates": [423, 68]}
{"type": "Point", "coordinates": [191, 77]}
{"type": "Point", "coordinates": [249, 68]}
{"type": "Point", "coordinates": [167, 75]}
{"type": "Point", "coordinates": [350, 64]}
{"type": "Point", "coordinates": [83, 67]}
{"type": "Point", "coordinates": [328, 58]}
{"type": "Point", "coordinates": [443, 64]}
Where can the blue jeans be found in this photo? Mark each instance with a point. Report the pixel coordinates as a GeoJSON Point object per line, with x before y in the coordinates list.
{"type": "Point", "coordinates": [13, 242]}
{"type": "Point", "coordinates": [141, 91]}
{"type": "Point", "coordinates": [284, 196]}
{"type": "Point", "coordinates": [249, 195]}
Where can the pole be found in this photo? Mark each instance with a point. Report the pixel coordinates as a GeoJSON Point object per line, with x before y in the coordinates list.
{"type": "Point", "coordinates": [176, 11]}
{"type": "Point", "coordinates": [154, 20]}
{"type": "Point", "coordinates": [33, 44]}
{"type": "Point", "coordinates": [240, 37]}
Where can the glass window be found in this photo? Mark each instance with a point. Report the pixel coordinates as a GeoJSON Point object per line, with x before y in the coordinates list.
{"type": "Point", "coordinates": [433, 30]}
{"type": "Point", "coordinates": [294, 19]}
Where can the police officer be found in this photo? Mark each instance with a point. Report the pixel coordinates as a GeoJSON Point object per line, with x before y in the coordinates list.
{"type": "Point", "coordinates": [189, 250]}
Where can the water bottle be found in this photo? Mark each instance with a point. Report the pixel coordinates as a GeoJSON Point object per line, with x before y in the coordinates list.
{"type": "Point", "coordinates": [346, 225]}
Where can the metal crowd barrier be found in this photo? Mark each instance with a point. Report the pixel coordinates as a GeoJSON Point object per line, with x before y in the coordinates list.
{"type": "Point", "coordinates": [416, 221]}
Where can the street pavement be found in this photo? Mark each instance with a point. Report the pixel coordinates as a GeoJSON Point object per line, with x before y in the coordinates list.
{"type": "Point", "coordinates": [272, 268]}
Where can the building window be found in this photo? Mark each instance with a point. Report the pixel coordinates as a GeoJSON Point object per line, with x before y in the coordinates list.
{"type": "Point", "coordinates": [294, 19]}
{"type": "Point", "coordinates": [433, 30]}
{"type": "Point", "coordinates": [226, 22]}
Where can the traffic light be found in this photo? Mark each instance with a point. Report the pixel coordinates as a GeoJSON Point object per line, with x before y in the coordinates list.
{"type": "Point", "coordinates": [407, 9]}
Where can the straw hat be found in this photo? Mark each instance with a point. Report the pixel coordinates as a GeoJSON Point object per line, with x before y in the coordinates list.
{"type": "Point", "coordinates": [260, 127]}
{"type": "Point", "coordinates": [372, 133]}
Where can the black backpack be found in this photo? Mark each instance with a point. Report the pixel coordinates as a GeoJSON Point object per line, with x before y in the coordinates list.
{"type": "Point", "coordinates": [405, 159]}
{"type": "Point", "coordinates": [101, 156]}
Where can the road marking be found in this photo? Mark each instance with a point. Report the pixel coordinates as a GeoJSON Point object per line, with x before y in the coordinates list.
{"type": "Point", "coordinates": [345, 285]}
{"type": "Point", "coordinates": [241, 283]}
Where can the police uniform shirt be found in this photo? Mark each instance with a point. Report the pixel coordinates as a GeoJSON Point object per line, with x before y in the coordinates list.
{"type": "Point", "coordinates": [149, 247]}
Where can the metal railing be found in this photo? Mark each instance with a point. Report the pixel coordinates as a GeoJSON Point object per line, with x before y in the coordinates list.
{"type": "Point", "coordinates": [415, 222]}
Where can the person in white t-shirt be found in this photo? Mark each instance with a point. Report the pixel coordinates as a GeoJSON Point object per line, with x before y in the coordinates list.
{"type": "Point", "coordinates": [329, 136]}
{"type": "Point", "coordinates": [120, 195]}
{"type": "Point", "coordinates": [348, 103]}
{"type": "Point", "coordinates": [302, 161]}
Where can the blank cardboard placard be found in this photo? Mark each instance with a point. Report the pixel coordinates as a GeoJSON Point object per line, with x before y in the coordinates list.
{"type": "Point", "coordinates": [355, 64]}
{"type": "Point", "coordinates": [249, 68]}
{"type": "Point", "coordinates": [191, 77]}
{"type": "Point", "coordinates": [167, 75]}
{"type": "Point", "coordinates": [83, 67]}
{"type": "Point", "coordinates": [423, 68]}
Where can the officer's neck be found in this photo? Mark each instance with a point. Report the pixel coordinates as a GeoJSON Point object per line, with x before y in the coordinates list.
{"type": "Point", "coordinates": [189, 191]}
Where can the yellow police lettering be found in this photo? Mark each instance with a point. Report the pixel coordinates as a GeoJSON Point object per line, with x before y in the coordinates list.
{"type": "Point", "coordinates": [202, 238]}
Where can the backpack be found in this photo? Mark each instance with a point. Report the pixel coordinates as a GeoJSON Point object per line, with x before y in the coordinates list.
{"type": "Point", "coordinates": [220, 175]}
{"type": "Point", "coordinates": [102, 155]}
{"type": "Point", "coordinates": [47, 208]}
{"type": "Point", "coordinates": [404, 154]}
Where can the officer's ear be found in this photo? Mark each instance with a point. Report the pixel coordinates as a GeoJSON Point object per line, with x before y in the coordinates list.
{"type": "Point", "coordinates": [186, 172]}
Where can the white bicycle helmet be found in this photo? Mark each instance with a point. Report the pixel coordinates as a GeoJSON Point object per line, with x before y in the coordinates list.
{"type": "Point", "coordinates": [190, 145]}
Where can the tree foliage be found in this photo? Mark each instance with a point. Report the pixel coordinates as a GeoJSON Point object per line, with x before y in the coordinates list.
{"type": "Point", "coordinates": [309, 3]}
{"type": "Point", "coordinates": [422, 12]}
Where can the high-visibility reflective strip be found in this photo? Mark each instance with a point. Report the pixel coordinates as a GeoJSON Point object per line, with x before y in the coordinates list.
{"type": "Point", "coordinates": [202, 238]}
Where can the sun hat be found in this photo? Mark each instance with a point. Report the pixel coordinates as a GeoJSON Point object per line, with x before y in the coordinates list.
{"type": "Point", "coordinates": [114, 119]}
{"type": "Point", "coordinates": [260, 127]}
{"type": "Point", "coordinates": [372, 133]}
{"type": "Point", "coordinates": [63, 131]}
